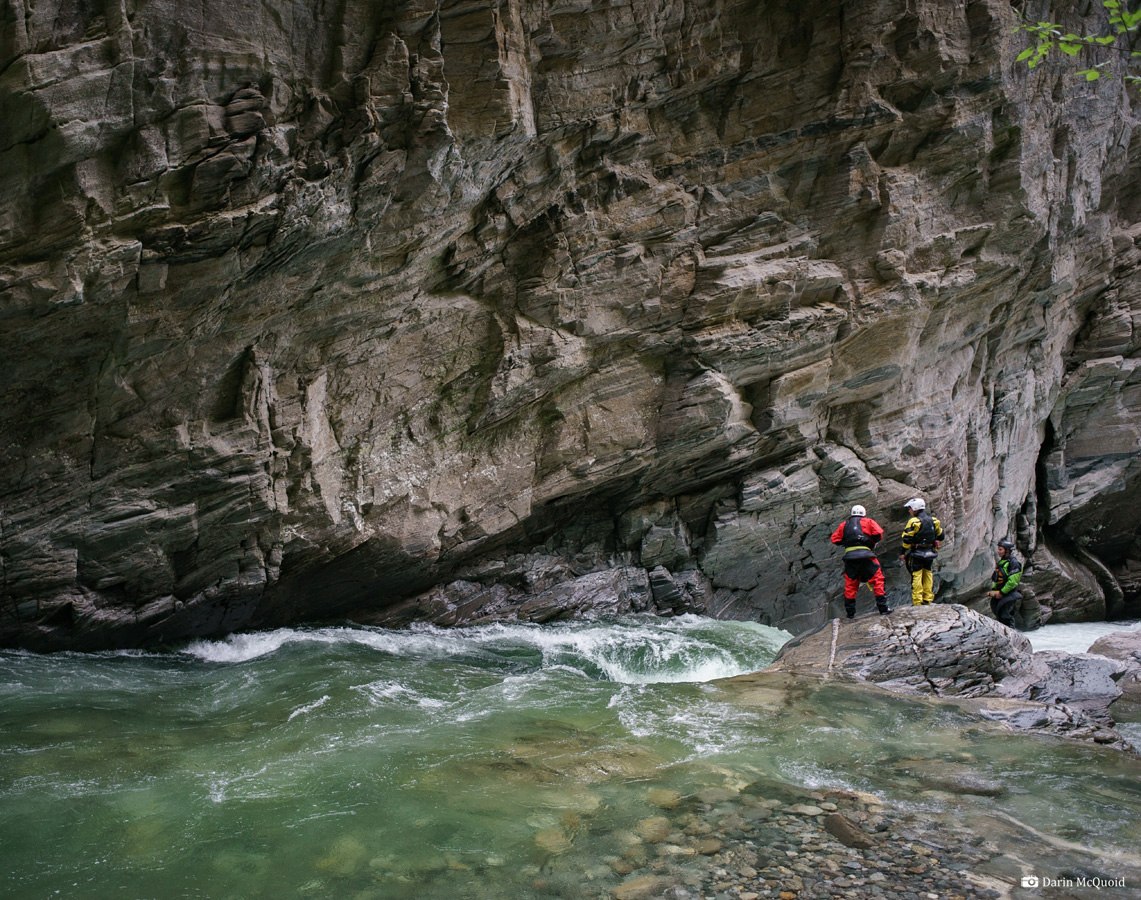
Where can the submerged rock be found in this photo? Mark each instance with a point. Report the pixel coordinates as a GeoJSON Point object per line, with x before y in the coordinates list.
{"type": "Point", "coordinates": [554, 841]}
{"type": "Point", "coordinates": [641, 888]}
{"type": "Point", "coordinates": [654, 830]}
{"type": "Point", "coordinates": [847, 832]}
{"type": "Point", "coordinates": [664, 798]}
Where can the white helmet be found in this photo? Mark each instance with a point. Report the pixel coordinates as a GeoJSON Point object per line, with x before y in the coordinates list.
{"type": "Point", "coordinates": [858, 510]}
{"type": "Point", "coordinates": [915, 504]}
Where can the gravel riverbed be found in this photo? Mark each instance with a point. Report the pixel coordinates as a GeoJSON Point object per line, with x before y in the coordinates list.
{"type": "Point", "coordinates": [767, 842]}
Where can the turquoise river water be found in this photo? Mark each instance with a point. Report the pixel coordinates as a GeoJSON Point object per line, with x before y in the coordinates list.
{"type": "Point", "coordinates": [350, 762]}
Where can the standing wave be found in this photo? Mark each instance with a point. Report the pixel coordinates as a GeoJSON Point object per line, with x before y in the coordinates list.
{"type": "Point", "coordinates": [631, 650]}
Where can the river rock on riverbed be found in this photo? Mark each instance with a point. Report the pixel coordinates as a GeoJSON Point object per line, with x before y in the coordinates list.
{"type": "Point", "coordinates": [952, 651]}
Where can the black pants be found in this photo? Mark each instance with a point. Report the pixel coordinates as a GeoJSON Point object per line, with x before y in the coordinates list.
{"type": "Point", "coordinates": [915, 562]}
{"type": "Point", "coordinates": [1004, 607]}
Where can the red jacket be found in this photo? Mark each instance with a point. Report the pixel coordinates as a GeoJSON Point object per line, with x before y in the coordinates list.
{"type": "Point", "coordinates": [872, 532]}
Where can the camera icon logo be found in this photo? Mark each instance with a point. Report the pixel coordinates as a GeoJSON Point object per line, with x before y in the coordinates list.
{"type": "Point", "coordinates": [1030, 881]}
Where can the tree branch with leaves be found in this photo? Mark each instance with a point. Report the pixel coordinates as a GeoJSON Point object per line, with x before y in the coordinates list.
{"type": "Point", "coordinates": [1050, 39]}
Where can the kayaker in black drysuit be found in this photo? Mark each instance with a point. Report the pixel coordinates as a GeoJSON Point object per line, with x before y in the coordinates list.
{"type": "Point", "coordinates": [1004, 595]}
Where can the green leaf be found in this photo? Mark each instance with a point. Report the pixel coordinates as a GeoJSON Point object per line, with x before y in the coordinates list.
{"type": "Point", "coordinates": [1025, 54]}
{"type": "Point", "coordinates": [1091, 75]}
{"type": "Point", "coordinates": [1070, 49]}
{"type": "Point", "coordinates": [1111, 4]}
{"type": "Point", "coordinates": [1106, 40]}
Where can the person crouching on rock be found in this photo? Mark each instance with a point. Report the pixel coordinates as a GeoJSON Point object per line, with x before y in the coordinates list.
{"type": "Point", "coordinates": [859, 535]}
{"type": "Point", "coordinates": [1004, 595]}
{"type": "Point", "coordinates": [921, 537]}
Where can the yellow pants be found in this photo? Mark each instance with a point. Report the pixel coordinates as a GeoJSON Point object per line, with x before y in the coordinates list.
{"type": "Point", "coordinates": [922, 591]}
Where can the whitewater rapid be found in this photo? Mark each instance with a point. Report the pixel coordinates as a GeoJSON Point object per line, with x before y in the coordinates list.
{"type": "Point", "coordinates": [635, 650]}
{"type": "Point", "coordinates": [431, 764]}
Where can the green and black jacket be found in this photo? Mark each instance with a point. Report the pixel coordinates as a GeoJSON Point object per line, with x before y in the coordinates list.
{"type": "Point", "coordinates": [1007, 574]}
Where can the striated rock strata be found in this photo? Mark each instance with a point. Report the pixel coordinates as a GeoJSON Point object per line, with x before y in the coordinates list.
{"type": "Point", "coordinates": [313, 310]}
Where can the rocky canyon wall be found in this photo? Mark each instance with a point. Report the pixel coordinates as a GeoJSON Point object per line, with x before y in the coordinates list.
{"type": "Point", "coordinates": [461, 310]}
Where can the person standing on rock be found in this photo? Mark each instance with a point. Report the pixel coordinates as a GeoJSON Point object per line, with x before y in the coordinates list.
{"type": "Point", "coordinates": [921, 537]}
{"type": "Point", "coordinates": [1004, 595]}
{"type": "Point", "coordinates": [858, 535]}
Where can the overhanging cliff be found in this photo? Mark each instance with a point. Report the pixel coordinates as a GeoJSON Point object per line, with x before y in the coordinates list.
{"type": "Point", "coordinates": [309, 309]}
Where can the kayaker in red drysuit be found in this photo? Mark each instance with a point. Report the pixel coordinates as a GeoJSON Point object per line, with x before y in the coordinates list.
{"type": "Point", "coordinates": [858, 535]}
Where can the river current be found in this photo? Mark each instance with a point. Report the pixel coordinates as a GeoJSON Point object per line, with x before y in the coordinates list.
{"type": "Point", "coordinates": [487, 762]}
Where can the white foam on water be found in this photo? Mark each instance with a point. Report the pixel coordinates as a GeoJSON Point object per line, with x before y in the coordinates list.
{"type": "Point", "coordinates": [393, 693]}
{"type": "Point", "coordinates": [243, 786]}
{"type": "Point", "coordinates": [1075, 638]}
{"type": "Point", "coordinates": [704, 727]}
{"type": "Point", "coordinates": [239, 648]}
{"type": "Point", "coordinates": [640, 650]}
{"type": "Point", "coordinates": [706, 730]}
{"type": "Point", "coordinates": [514, 688]}
{"type": "Point", "coordinates": [656, 651]}
{"type": "Point", "coordinates": [814, 776]}
{"type": "Point", "coordinates": [316, 704]}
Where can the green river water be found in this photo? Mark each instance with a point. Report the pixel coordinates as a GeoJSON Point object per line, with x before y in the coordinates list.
{"type": "Point", "coordinates": [365, 763]}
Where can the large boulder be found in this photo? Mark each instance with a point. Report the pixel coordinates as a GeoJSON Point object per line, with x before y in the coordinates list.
{"type": "Point", "coordinates": [1124, 647]}
{"type": "Point", "coordinates": [611, 592]}
{"type": "Point", "coordinates": [947, 650]}
{"type": "Point", "coordinates": [954, 652]}
{"type": "Point", "coordinates": [1083, 682]}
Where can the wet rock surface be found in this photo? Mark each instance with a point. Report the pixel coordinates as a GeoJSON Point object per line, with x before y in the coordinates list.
{"type": "Point", "coordinates": [1083, 682]}
{"type": "Point", "coordinates": [1125, 648]}
{"type": "Point", "coordinates": [946, 650]}
{"type": "Point", "coordinates": [951, 651]}
{"type": "Point", "coordinates": [415, 290]}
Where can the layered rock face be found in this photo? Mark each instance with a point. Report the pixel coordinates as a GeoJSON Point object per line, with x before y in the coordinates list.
{"type": "Point", "coordinates": [311, 309]}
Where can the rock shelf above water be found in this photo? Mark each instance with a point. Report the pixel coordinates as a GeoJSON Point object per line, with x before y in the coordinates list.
{"type": "Point", "coordinates": [950, 651]}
